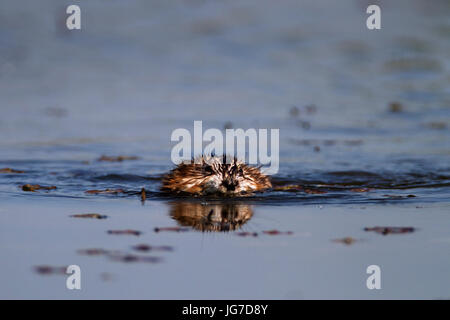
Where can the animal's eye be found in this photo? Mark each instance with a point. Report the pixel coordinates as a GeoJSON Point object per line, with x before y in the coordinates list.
{"type": "Point", "coordinates": [209, 169]}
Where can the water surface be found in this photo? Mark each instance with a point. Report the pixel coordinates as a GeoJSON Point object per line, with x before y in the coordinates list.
{"type": "Point", "coordinates": [364, 119]}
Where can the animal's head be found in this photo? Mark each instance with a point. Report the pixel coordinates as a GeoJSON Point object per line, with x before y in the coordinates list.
{"type": "Point", "coordinates": [212, 174]}
{"type": "Point", "coordinates": [231, 178]}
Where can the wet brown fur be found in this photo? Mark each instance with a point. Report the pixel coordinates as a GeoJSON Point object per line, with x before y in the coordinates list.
{"type": "Point", "coordinates": [208, 175]}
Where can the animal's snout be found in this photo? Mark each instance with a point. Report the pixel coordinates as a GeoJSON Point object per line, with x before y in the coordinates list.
{"type": "Point", "coordinates": [229, 185]}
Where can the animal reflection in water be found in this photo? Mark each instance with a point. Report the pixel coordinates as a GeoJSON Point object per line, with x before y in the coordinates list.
{"type": "Point", "coordinates": [211, 217]}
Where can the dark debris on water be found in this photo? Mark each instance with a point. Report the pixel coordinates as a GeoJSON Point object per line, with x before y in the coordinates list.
{"type": "Point", "coordinates": [390, 230]}
{"type": "Point", "coordinates": [106, 191]}
{"type": "Point", "coordinates": [146, 247]}
{"type": "Point", "coordinates": [35, 187]}
{"type": "Point", "coordinates": [89, 216]}
{"type": "Point", "coordinates": [277, 232]}
{"type": "Point", "coordinates": [48, 270]}
{"type": "Point", "coordinates": [346, 240]}
{"type": "Point", "coordinates": [172, 229]}
{"type": "Point", "coordinates": [125, 232]}
{"type": "Point", "coordinates": [9, 170]}
{"type": "Point", "coordinates": [134, 258]}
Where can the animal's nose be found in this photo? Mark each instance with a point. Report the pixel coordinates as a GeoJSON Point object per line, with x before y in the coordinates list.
{"type": "Point", "coordinates": [229, 185]}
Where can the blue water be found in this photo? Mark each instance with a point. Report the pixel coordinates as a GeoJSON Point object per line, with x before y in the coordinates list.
{"type": "Point", "coordinates": [137, 70]}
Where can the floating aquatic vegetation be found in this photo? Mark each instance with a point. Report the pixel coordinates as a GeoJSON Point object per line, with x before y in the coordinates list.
{"type": "Point", "coordinates": [146, 247]}
{"type": "Point", "coordinates": [89, 215]}
{"type": "Point", "coordinates": [47, 270]}
{"type": "Point", "coordinates": [125, 232]}
{"type": "Point", "coordinates": [9, 170]}
{"type": "Point", "coordinates": [395, 197]}
{"type": "Point", "coordinates": [247, 234]}
{"type": "Point", "coordinates": [34, 187]}
{"type": "Point", "coordinates": [277, 232]}
{"type": "Point", "coordinates": [390, 230]}
{"type": "Point", "coordinates": [106, 191]}
{"type": "Point", "coordinates": [290, 187]}
{"type": "Point", "coordinates": [93, 252]}
{"type": "Point", "coordinates": [173, 229]}
{"type": "Point", "coordinates": [395, 107]}
{"type": "Point", "coordinates": [345, 240]}
{"type": "Point", "coordinates": [134, 258]}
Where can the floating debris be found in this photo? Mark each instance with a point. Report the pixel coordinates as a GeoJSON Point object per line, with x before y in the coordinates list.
{"type": "Point", "coordinates": [390, 230]}
{"type": "Point", "coordinates": [173, 229]}
{"type": "Point", "coordinates": [146, 247]}
{"type": "Point", "coordinates": [290, 187]}
{"type": "Point", "coordinates": [125, 232]}
{"type": "Point", "coordinates": [395, 107]}
{"type": "Point", "coordinates": [117, 158]}
{"type": "Point", "coordinates": [47, 270]}
{"type": "Point", "coordinates": [89, 215]}
{"type": "Point", "coordinates": [93, 252]}
{"type": "Point", "coordinates": [9, 170]}
{"type": "Point", "coordinates": [276, 232]}
{"type": "Point", "coordinates": [346, 240]}
{"type": "Point", "coordinates": [134, 258]}
{"type": "Point", "coordinates": [106, 191]}
{"type": "Point", "coordinates": [394, 197]}
{"type": "Point", "coordinates": [34, 187]}
{"type": "Point", "coordinates": [247, 234]}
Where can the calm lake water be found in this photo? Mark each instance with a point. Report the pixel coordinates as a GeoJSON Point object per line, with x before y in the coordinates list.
{"type": "Point", "coordinates": [364, 119]}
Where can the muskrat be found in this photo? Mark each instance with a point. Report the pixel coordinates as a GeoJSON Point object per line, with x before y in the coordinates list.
{"type": "Point", "coordinates": [213, 175]}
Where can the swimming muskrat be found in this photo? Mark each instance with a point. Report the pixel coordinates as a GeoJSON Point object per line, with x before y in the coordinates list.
{"type": "Point", "coordinates": [212, 175]}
